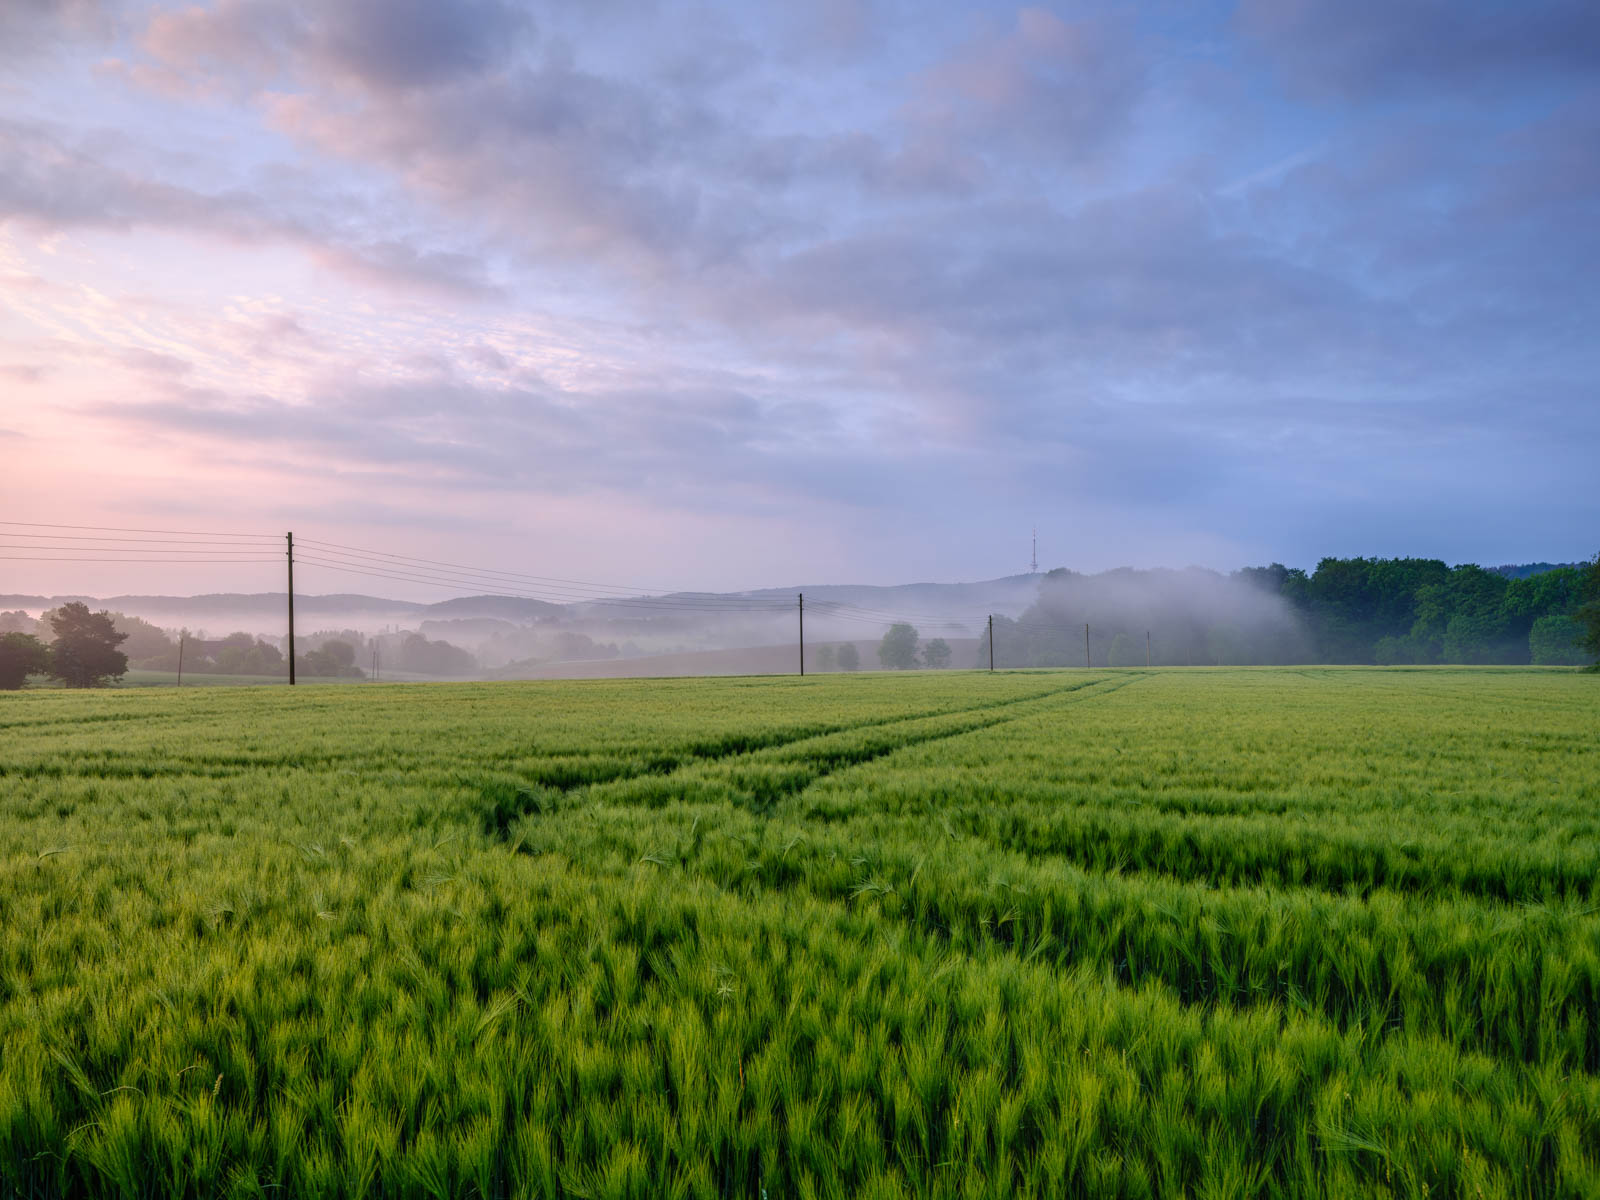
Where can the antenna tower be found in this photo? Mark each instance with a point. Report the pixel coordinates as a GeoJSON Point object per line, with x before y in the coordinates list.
{"type": "Point", "coordinates": [1033, 565]}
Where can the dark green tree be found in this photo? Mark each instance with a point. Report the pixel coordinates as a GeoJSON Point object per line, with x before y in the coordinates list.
{"type": "Point", "coordinates": [1554, 641]}
{"type": "Point", "coordinates": [84, 653]}
{"type": "Point", "coordinates": [849, 657]}
{"type": "Point", "coordinates": [1588, 614]}
{"type": "Point", "coordinates": [936, 654]}
{"type": "Point", "coordinates": [21, 655]}
{"type": "Point", "coordinates": [898, 650]}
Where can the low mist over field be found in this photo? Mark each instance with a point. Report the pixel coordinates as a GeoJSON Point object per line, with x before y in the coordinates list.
{"type": "Point", "coordinates": [1348, 610]}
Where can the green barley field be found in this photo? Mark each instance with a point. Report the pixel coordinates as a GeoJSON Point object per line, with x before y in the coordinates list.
{"type": "Point", "coordinates": [1206, 933]}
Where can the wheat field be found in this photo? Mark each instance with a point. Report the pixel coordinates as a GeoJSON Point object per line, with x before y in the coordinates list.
{"type": "Point", "coordinates": [1257, 932]}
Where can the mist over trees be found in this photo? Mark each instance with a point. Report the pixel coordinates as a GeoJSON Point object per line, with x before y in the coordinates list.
{"type": "Point", "coordinates": [420, 656]}
{"type": "Point", "coordinates": [898, 650]}
{"type": "Point", "coordinates": [1349, 610]}
{"type": "Point", "coordinates": [1192, 617]}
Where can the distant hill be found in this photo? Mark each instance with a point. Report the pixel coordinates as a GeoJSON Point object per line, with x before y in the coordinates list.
{"type": "Point", "coordinates": [503, 608]}
{"type": "Point", "coordinates": [248, 608]}
{"type": "Point", "coordinates": [260, 611]}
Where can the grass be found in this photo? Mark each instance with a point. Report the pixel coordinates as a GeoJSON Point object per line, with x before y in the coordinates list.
{"type": "Point", "coordinates": [1112, 933]}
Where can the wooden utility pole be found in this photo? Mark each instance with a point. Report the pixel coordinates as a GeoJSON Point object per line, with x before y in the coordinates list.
{"type": "Point", "coordinates": [374, 661]}
{"type": "Point", "coordinates": [991, 641]}
{"type": "Point", "coordinates": [1146, 647]}
{"type": "Point", "coordinates": [183, 636]}
{"type": "Point", "coordinates": [1086, 644]}
{"type": "Point", "coordinates": [290, 538]}
{"type": "Point", "coordinates": [801, 596]}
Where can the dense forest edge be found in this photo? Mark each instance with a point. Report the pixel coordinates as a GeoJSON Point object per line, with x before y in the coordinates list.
{"type": "Point", "coordinates": [1376, 611]}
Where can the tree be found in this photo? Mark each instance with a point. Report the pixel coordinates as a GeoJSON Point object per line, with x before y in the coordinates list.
{"type": "Point", "coordinates": [16, 622]}
{"type": "Point", "coordinates": [898, 650]}
{"type": "Point", "coordinates": [1588, 614]}
{"type": "Point", "coordinates": [243, 654]}
{"type": "Point", "coordinates": [336, 659]}
{"type": "Point", "coordinates": [420, 656]}
{"type": "Point", "coordinates": [145, 641]}
{"type": "Point", "coordinates": [21, 655]}
{"type": "Point", "coordinates": [849, 656]}
{"type": "Point", "coordinates": [85, 652]}
{"type": "Point", "coordinates": [936, 654]}
{"type": "Point", "coordinates": [824, 658]}
{"type": "Point", "coordinates": [1554, 641]}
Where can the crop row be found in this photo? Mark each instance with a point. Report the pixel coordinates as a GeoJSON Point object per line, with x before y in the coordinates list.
{"type": "Point", "coordinates": [514, 1025]}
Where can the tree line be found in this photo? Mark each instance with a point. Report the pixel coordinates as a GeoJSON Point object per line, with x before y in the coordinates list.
{"type": "Point", "coordinates": [1419, 610]}
{"type": "Point", "coordinates": [1383, 611]}
{"type": "Point", "coordinates": [900, 649]}
{"type": "Point", "coordinates": [79, 648]}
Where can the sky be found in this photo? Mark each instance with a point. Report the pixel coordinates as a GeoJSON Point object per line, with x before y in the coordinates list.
{"type": "Point", "coordinates": [720, 296]}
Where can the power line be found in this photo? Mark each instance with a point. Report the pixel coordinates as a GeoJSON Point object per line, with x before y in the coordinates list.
{"type": "Point", "coordinates": [456, 584]}
{"type": "Point", "coordinates": [139, 541]}
{"type": "Point", "coordinates": [180, 547]}
{"type": "Point", "coordinates": [893, 616]}
{"type": "Point", "coordinates": [571, 591]}
{"type": "Point", "coordinates": [169, 561]}
{"type": "Point", "coordinates": [120, 549]}
{"type": "Point", "coordinates": [463, 568]}
{"type": "Point", "coordinates": [946, 624]}
{"type": "Point", "coordinates": [551, 589]}
{"type": "Point", "coordinates": [119, 529]}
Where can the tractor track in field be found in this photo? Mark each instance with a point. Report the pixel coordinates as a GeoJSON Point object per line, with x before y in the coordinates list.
{"type": "Point", "coordinates": [221, 764]}
{"type": "Point", "coordinates": [761, 787]}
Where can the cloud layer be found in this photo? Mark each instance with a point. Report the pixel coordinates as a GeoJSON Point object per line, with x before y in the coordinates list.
{"type": "Point", "coordinates": [844, 293]}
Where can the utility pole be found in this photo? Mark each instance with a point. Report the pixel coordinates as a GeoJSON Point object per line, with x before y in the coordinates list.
{"type": "Point", "coordinates": [1086, 644]}
{"type": "Point", "coordinates": [374, 662]}
{"type": "Point", "coordinates": [183, 636]}
{"type": "Point", "coordinates": [1147, 648]}
{"type": "Point", "coordinates": [991, 641]}
{"type": "Point", "coordinates": [801, 596]}
{"type": "Point", "coordinates": [290, 538]}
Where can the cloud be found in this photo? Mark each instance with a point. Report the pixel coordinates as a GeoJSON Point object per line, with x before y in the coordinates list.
{"type": "Point", "coordinates": [384, 45]}
{"type": "Point", "coordinates": [54, 180]}
{"type": "Point", "coordinates": [1003, 258]}
{"type": "Point", "coordinates": [692, 447]}
{"type": "Point", "coordinates": [1070, 87]}
{"type": "Point", "coordinates": [1355, 49]}
{"type": "Point", "coordinates": [28, 26]}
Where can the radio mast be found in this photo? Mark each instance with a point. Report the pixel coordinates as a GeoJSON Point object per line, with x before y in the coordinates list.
{"type": "Point", "coordinates": [1033, 565]}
